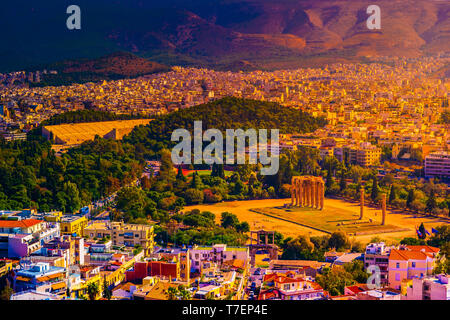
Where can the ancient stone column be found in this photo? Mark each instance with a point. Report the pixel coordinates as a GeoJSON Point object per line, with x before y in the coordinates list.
{"type": "Point", "coordinates": [308, 193]}
{"type": "Point", "coordinates": [361, 212]}
{"type": "Point", "coordinates": [300, 192]}
{"type": "Point", "coordinates": [322, 194]}
{"type": "Point", "coordinates": [293, 191]}
{"type": "Point", "coordinates": [383, 209]}
{"type": "Point", "coordinates": [317, 194]}
{"type": "Point", "coordinates": [313, 194]}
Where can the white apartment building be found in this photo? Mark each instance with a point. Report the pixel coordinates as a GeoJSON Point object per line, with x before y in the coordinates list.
{"type": "Point", "coordinates": [437, 164]}
{"type": "Point", "coordinates": [429, 288]}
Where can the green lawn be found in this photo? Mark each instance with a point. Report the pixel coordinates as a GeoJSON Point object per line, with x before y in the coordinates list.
{"type": "Point", "coordinates": [202, 173]}
{"type": "Point", "coordinates": [328, 220]}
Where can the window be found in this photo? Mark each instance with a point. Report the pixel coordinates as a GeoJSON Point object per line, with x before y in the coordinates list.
{"type": "Point", "coordinates": [398, 265]}
{"type": "Point", "coordinates": [397, 277]}
{"type": "Point", "coordinates": [413, 264]}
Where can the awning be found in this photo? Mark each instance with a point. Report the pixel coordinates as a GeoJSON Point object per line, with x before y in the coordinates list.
{"type": "Point", "coordinates": [58, 285]}
{"type": "Point", "coordinates": [42, 279]}
{"type": "Point", "coordinates": [19, 278]}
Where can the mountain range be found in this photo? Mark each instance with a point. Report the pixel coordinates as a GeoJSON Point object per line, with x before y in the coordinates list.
{"type": "Point", "coordinates": [224, 34]}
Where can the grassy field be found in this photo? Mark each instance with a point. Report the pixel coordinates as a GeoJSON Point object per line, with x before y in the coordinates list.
{"type": "Point", "coordinates": [202, 173]}
{"type": "Point", "coordinates": [328, 220]}
{"type": "Point", "coordinates": [405, 223]}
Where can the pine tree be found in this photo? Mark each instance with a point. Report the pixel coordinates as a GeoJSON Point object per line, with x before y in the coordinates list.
{"type": "Point", "coordinates": [196, 182]}
{"type": "Point", "coordinates": [218, 171]}
{"type": "Point", "coordinates": [107, 294]}
{"type": "Point", "coordinates": [180, 175]}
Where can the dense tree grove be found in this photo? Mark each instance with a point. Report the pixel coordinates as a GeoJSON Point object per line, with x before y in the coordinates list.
{"type": "Point", "coordinates": [226, 113]}
{"type": "Point", "coordinates": [88, 116]}
{"type": "Point", "coordinates": [32, 176]}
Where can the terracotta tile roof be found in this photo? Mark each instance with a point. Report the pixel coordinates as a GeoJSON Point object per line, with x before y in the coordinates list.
{"type": "Point", "coordinates": [428, 249]}
{"type": "Point", "coordinates": [236, 263]}
{"type": "Point", "coordinates": [124, 286]}
{"type": "Point", "coordinates": [281, 278]}
{"type": "Point", "coordinates": [407, 255]}
{"type": "Point", "coordinates": [19, 224]}
{"type": "Point", "coordinates": [299, 263]}
{"type": "Point", "coordinates": [357, 288]}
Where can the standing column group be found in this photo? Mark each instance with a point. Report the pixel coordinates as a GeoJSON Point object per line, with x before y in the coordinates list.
{"type": "Point", "coordinates": [307, 191]}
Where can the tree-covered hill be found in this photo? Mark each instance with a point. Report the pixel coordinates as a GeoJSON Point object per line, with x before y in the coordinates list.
{"type": "Point", "coordinates": [226, 113]}
{"type": "Point", "coordinates": [31, 175]}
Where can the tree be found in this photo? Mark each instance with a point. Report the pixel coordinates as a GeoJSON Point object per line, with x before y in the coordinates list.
{"type": "Point", "coordinates": [339, 240]}
{"type": "Point", "coordinates": [92, 290]}
{"type": "Point", "coordinates": [107, 293]}
{"type": "Point", "coordinates": [196, 182]}
{"type": "Point", "coordinates": [329, 182]}
{"type": "Point", "coordinates": [374, 193]}
{"type": "Point", "coordinates": [7, 291]}
{"type": "Point", "coordinates": [180, 175]}
{"type": "Point", "coordinates": [356, 269]}
{"type": "Point", "coordinates": [132, 200]}
{"type": "Point", "coordinates": [194, 196]}
{"type": "Point", "coordinates": [410, 198]}
{"type": "Point", "coordinates": [392, 195]}
{"type": "Point", "coordinates": [335, 280]}
{"type": "Point", "coordinates": [422, 231]}
{"type": "Point", "coordinates": [73, 202]}
{"type": "Point", "coordinates": [441, 238]}
{"type": "Point", "coordinates": [243, 227]}
{"type": "Point", "coordinates": [299, 248]}
{"type": "Point", "coordinates": [218, 171]}
{"type": "Point", "coordinates": [184, 293]}
{"type": "Point", "coordinates": [431, 203]}
{"type": "Point", "coordinates": [229, 220]}
{"type": "Point", "coordinates": [172, 293]}
{"type": "Point", "coordinates": [166, 171]}
{"type": "Point", "coordinates": [342, 182]}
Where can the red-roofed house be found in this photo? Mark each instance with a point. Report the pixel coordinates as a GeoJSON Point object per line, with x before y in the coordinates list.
{"type": "Point", "coordinates": [277, 286]}
{"type": "Point", "coordinates": [410, 262]}
{"type": "Point", "coordinates": [21, 226]}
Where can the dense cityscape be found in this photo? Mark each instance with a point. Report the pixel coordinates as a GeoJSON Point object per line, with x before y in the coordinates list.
{"type": "Point", "coordinates": [93, 207]}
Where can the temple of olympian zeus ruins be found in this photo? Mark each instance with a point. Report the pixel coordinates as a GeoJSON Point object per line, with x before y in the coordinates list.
{"type": "Point", "coordinates": [307, 191]}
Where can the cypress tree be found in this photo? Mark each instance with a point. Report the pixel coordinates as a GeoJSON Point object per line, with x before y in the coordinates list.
{"type": "Point", "coordinates": [180, 175]}
{"type": "Point", "coordinates": [374, 194]}
{"type": "Point", "coordinates": [342, 183]}
{"type": "Point", "coordinates": [392, 195]}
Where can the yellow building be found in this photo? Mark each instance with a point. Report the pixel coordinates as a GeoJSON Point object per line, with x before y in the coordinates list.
{"type": "Point", "coordinates": [368, 156]}
{"type": "Point", "coordinates": [72, 224]}
{"type": "Point", "coordinates": [5, 267]}
{"type": "Point", "coordinates": [122, 234]}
